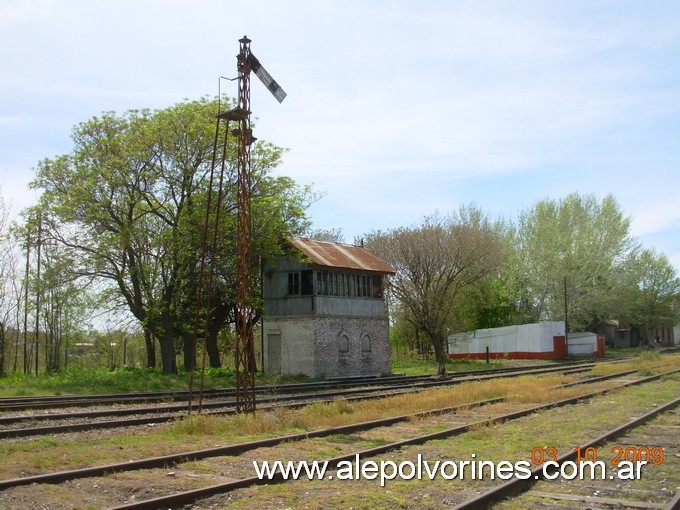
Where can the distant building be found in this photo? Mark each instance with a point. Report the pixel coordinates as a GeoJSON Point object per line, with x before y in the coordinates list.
{"type": "Point", "coordinates": [325, 312]}
{"type": "Point", "coordinates": [542, 340]}
{"type": "Point", "coordinates": [616, 336]}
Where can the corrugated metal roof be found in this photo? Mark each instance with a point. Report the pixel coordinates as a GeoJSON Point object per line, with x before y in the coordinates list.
{"type": "Point", "coordinates": [337, 255]}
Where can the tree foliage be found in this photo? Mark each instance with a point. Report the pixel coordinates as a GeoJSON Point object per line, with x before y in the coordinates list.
{"type": "Point", "coordinates": [435, 263]}
{"type": "Point", "coordinates": [6, 266]}
{"type": "Point", "coordinates": [579, 244]}
{"type": "Point", "coordinates": [654, 297]}
{"type": "Point", "coordinates": [464, 272]}
{"type": "Point", "coordinates": [330, 235]}
{"type": "Point", "coordinates": [129, 203]}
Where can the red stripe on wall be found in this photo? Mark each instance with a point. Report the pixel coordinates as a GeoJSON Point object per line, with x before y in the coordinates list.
{"type": "Point", "coordinates": [509, 355]}
{"type": "Point", "coordinates": [558, 352]}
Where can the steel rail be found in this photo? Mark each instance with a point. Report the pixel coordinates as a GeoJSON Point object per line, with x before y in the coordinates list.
{"type": "Point", "coordinates": [418, 381]}
{"type": "Point", "coordinates": [52, 401]}
{"type": "Point", "coordinates": [83, 426]}
{"type": "Point", "coordinates": [425, 381]}
{"type": "Point", "coordinates": [516, 485]}
{"type": "Point", "coordinates": [235, 449]}
{"type": "Point", "coordinates": [75, 400]}
{"type": "Point", "coordinates": [172, 459]}
{"type": "Point", "coordinates": [159, 417]}
{"type": "Point", "coordinates": [190, 496]}
{"type": "Point", "coordinates": [674, 504]}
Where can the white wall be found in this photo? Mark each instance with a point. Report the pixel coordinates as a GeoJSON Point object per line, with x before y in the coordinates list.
{"type": "Point", "coordinates": [524, 338]}
{"type": "Point", "coordinates": [581, 344]}
{"type": "Point", "coordinates": [297, 345]}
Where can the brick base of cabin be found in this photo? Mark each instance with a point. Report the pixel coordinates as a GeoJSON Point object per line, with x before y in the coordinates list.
{"type": "Point", "coordinates": [326, 347]}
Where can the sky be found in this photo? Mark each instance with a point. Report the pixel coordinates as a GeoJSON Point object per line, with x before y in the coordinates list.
{"type": "Point", "coordinates": [395, 109]}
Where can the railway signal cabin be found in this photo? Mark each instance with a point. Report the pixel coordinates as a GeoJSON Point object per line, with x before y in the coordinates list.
{"type": "Point", "coordinates": [325, 311]}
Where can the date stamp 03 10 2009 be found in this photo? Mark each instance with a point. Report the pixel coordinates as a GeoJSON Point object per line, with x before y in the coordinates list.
{"type": "Point", "coordinates": [627, 460]}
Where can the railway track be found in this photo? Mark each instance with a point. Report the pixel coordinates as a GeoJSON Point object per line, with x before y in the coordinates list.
{"type": "Point", "coordinates": [8, 404]}
{"type": "Point", "coordinates": [488, 408]}
{"type": "Point", "coordinates": [167, 460]}
{"type": "Point", "coordinates": [611, 451]}
{"type": "Point", "coordinates": [24, 425]}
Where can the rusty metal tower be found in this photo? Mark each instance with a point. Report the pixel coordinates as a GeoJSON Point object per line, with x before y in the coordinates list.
{"type": "Point", "coordinates": [245, 344]}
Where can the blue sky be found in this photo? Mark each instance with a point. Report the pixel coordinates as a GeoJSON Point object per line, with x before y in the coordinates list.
{"type": "Point", "coordinates": [395, 109]}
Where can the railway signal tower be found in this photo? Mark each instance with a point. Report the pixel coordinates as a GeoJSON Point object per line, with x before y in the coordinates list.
{"type": "Point", "coordinates": [245, 345]}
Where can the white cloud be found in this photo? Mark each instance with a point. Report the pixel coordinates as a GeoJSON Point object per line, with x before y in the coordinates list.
{"type": "Point", "coordinates": [394, 108]}
{"type": "Point", "coordinates": [659, 212]}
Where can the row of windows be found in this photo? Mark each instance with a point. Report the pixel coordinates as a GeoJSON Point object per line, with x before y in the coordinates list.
{"type": "Point", "coordinates": [300, 283]}
{"type": "Point", "coordinates": [355, 285]}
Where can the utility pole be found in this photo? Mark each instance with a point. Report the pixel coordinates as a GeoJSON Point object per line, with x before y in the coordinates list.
{"type": "Point", "coordinates": [28, 266]}
{"type": "Point", "coordinates": [566, 320]}
{"type": "Point", "coordinates": [37, 294]}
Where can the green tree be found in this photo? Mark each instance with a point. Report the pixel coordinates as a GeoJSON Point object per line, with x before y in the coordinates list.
{"type": "Point", "coordinates": [5, 264]}
{"type": "Point", "coordinates": [487, 304]}
{"type": "Point", "coordinates": [578, 245]}
{"type": "Point", "coordinates": [130, 202]}
{"type": "Point", "coordinates": [655, 292]}
{"type": "Point", "coordinates": [65, 304]}
{"type": "Point", "coordinates": [404, 334]}
{"type": "Point", "coordinates": [11, 293]}
{"type": "Point", "coordinates": [435, 262]}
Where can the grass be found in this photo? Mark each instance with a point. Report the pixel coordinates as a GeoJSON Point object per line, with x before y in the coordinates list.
{"type": "Point", "coordinates": [98, 380]}
{"type": "Point", "coordinates": [198, 432]}
{"type": "Point", "coordinates": [78, 380]}
{"type": "Point", "coordinates": [643, 364]}
{"type": "Point", "coordinates": [561, 428]}
{"type": "Point", "coordinates": [428, 366]}
{"type": "Point", "coordinates": [124, 380]}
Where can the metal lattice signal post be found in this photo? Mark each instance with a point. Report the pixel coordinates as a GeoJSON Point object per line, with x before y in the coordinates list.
{"type": "Point", "coordinates": [245, 352]}
{"type": "Point", "coordinates": [245, 344]}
